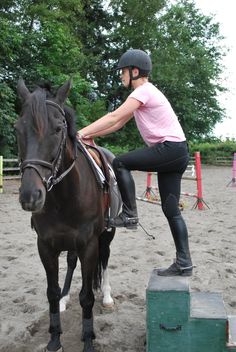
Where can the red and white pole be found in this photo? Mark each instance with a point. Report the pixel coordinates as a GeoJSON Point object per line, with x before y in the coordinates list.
{"type": "Point", "coordinates": [149, 194]}
{"type": "Point", "coordinates": [199, 180]}
{"type": "Point", "coordinates": [233, 181]}
{"type": "Point", "coordinates": [234, 171]}
{"type": "Point", "coordinates": [149, 185]}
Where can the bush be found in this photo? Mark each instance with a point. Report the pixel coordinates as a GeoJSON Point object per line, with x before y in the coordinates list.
{"type": "Point", "coordinates": [211, 151]}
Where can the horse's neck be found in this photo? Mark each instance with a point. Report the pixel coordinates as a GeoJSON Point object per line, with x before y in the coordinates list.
{"type": "Point", "coordinates": [81, 171]}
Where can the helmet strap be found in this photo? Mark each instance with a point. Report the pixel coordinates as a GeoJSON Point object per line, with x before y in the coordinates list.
{"type": "Point", "coordinates": [132, 78]}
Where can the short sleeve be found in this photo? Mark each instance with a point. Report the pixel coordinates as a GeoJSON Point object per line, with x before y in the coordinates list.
{"type": "Point", "coordinates": [141, 94]}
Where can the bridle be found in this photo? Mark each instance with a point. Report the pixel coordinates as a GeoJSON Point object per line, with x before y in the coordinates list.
{"type": "Point", "coordinates": [53, 179]}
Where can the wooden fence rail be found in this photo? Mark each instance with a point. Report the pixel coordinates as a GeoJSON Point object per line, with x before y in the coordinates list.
{"type": "Point", "coordinates": [224, 160]}
{"type": "Point", "coordinates": [10, 169]}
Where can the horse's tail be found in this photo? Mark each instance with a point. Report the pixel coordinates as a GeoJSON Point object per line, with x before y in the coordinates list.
{"type": "Point", "coordinates": [103, 256]}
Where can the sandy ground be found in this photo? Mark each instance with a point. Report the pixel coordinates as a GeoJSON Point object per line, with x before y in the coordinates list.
{"type": "Point", "coordinates": [23, 303]}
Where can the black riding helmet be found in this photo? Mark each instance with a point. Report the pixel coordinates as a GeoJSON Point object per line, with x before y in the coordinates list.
{"type": "Point", "coordinates": [135, 58]}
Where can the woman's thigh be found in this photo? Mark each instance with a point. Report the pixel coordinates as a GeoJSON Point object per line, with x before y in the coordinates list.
{"type": "Point", "coordinates": [162, 157]}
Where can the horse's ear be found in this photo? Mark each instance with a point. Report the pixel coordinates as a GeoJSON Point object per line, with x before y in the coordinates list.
{"type": "Point", "coordinates": [63, 92]}
{"type": "Point", "coordinates": [22, 90]}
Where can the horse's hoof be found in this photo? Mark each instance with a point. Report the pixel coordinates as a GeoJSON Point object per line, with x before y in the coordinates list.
{"type": "Point", "coordinates": [60, 350]}
{"type": "Point", "coordinates": [88, 346]}
{"type": "Point", "coordinates": [108, 305]}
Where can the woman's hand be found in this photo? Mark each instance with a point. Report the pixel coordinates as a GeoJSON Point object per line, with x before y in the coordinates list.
{"type": "Point", "coordinates": [85, 140]}
{"type": "Point", "coordinates": [79, 135]}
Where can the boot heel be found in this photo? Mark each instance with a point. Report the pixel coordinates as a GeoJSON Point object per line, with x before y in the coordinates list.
{"type": "Point", "coordinates": [187, 272]}
{"type": "Point", "coordinates": [132, 226]}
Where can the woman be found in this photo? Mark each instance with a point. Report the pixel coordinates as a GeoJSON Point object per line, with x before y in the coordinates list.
{"type": "Point", "coordinates": [166, 152]}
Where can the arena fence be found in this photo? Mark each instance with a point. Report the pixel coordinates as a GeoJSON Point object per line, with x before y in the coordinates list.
{"type": "Point", "coordinates": [9, 170]}
{"type": "Point", "coordinates": [193, 173]}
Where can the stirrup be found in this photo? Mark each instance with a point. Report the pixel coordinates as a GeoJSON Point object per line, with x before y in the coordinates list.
{"type": "Point", "coordinates": [123, 220]}
{"type": "Point", "coordinates": [176, 270]}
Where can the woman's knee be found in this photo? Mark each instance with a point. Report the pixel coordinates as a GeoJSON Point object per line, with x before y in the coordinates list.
{"type": "Point", "coordinates": [117, 164]}
{"type": "Point", "coordinates": [170, 206]}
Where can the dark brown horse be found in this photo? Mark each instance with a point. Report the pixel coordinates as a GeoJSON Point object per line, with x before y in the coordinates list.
{"type": "Point", "coordinates": [68, 203]}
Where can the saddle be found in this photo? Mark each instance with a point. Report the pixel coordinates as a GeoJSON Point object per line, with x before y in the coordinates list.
{"type": "Point", "coordinates": [100, 161]}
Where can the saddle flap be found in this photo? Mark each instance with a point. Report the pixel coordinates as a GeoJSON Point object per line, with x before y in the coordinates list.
{"type": "Point", "coordinates": [100, 159]}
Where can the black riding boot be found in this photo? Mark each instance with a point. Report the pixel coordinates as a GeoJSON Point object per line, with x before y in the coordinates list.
{"type": "Point", "coordinates": [129, 216]}
{"type": "Point", "coordinates": [182, 266]}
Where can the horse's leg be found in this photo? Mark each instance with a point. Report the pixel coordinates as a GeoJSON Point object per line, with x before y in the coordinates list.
{"type": "Point", "coordinates": [89, 260]}
{"type": "Point", "coordinates": [50, 263]}
{"type": "Point", "coordinates": [71, 265]}
{"type": "Point", "coordinates": [104, 253]}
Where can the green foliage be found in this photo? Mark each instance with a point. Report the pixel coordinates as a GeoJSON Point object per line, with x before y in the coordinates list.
{"type": "Point", "coordinates": [116, 149]}
{"type": "Point", "coordinates": [134, 26]}
{"type": "Point", "coordinates": [211, 150]}
{"type": "Point", "coordinates": [7, 119]}
{"type": "Point", "coordinates": [58, 49]}
{"type": "Point", "coordinates": [83, 39]}
{"type": "Point", "coordinates": [187, 67]}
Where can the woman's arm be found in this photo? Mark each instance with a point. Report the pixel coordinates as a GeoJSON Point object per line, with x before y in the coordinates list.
{"type": "Point", "coordinates": [111, 122]}
{"type": "Point", "coordinates": [109, 130]}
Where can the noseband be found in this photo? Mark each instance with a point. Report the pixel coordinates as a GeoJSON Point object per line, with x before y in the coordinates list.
{"type": "Point", "coordinates": [53, 179]}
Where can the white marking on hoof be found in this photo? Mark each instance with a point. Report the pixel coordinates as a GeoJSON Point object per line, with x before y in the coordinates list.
{"type": "Point", "coordinates": [108, 305]}
{"type": "Point", "coordinates": [63, 303]}
{"type": "Point", "coordinates": [107, 301]}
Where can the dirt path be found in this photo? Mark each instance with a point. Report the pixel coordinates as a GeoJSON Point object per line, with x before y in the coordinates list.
{"type": "Point", "coordinates": [23, 303]}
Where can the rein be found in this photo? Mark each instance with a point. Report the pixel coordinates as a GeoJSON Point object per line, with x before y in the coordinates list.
{"type": "Point", "coordinates": [53, 179]}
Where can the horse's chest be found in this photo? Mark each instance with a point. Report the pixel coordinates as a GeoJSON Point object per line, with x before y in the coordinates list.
{"type": "Point", "coordinates": [58, 236]}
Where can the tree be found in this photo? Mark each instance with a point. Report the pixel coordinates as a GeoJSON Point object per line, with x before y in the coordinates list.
{"type": "Point", "coordinates": [40, 42]}
{"type": "Point", "coordinates": [10, 44]}
{"type": "Point", "coordinates": [187, 66]}
{"type": "Point", "coordinates": [7, 120]}
{"type": "Point", "coordinates": [134, 26]}
{"type": "Point", "coordinates": [57, 39]}
{"type": "Point", "coordinates": [186, 49]}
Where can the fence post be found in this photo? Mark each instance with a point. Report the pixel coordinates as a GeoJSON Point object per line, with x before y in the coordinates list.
{"type": "Point", "coordinates": [199, 180]}
{"type": "Point", "coordinates": [233, 181]}
{"type": "Point", "coordinates": [1, 173]}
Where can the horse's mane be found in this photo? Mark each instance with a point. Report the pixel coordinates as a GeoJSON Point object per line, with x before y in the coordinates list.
{"type": "Point", "coordinates": [71, 122]}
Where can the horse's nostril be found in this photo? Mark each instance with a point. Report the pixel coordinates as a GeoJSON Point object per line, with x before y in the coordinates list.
{"type": "Point", "coordinates": [38, 194]}
{"type": "Point", "coordinates": [32, 200]}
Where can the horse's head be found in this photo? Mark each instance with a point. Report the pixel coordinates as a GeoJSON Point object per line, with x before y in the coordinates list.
{"type": "Point", "coordinates": [41, 135]}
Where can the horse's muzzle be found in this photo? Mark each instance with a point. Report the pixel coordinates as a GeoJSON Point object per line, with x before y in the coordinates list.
{"type": "Point", "coordinates": [32, 192]}
{"type": "Point", "coordinates": [31, 201]}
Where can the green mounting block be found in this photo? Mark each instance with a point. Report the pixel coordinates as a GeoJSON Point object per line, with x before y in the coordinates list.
{"type": "Point", "coordinates": [184, 321]}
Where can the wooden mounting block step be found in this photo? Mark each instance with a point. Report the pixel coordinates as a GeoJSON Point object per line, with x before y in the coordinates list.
{"type": "Point", "coordinates": [182, 321]}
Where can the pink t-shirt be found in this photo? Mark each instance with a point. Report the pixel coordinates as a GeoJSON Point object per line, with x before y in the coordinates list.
{"type": "Point", "coordinates": [155, 118]}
